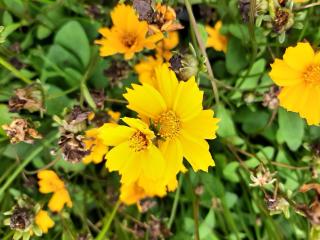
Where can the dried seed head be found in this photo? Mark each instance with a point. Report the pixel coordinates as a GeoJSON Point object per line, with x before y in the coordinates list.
{"type": "Point", "coordinates": [184, 65]}
{"type": "Point", "coordinates": [19, 130]}
{"type": "Point", "coordinates": [262, 177]}
{"type": "Point", "coordinates": [244, 8]}
{"type": "Point", "coordinates": [117, 71]}
{"type": "Point", "coordinates": [21, 218]}
{"type": "Point", "coordinates": [283, 20]}
{"type": "Point", "coordinates": [29, 98]}
{"type": "Point", "coordinates": [270, 98]}
{"type": "Point", "coordinates": [72, 147]}
{"type": "Point", "coordinates": [98, 97]}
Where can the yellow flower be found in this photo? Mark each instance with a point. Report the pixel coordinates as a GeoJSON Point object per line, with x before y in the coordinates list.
{"type": "Point", "coordinates": [114, 116]}
{"type": "Point", "coordinates": [96, 147]}
{"type": "Point", "coordinates": [49, 182]}
{"type": "Point", "coordinates": [299, 76]}
{"type": "Point", "coordinates": [215, 39]}
{"type": "Point", "coordinates": [146, 67]}
{"type": "Point", "coordinates": [44, 221]}
{"type": "Point", "coordinates": [166, 44]}
{"type": "Point", "coordinates": [175, 111]}
{"type": "Point", "coordinates": [135, 156]}
{"type": "Point", "coordinates": [128, 35]}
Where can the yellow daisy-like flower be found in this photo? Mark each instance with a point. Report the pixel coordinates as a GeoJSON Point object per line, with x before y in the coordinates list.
{"type": "Point", "coordinates": [44, 221]}
{"type": "Point", "coordinates": [298, 75]}
{"type": "Point", "coordinates": [128, 35]}
{"type": "Point", "coordinates": [96, 147]}
{"type": "Point", "coordinates": [175, 110]}
{"type": "Point", "coordinates": [164, 47]}
{"type": "Point", "coordinates": [215, 39]}
{"type": "Point", "coordinates": [49, 182]}
{"type": "Point", "coordinates": [146, 67]}
{"type": "Point", "coordinates": [135, 156]}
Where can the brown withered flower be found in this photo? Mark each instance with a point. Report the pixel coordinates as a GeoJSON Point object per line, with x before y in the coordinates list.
{"type": "Point", "coordinates": [117, 71]}
{"type": "Point", "coordinates": [20, 130]}
{"type": "Point", "coordinates": [283, 20]}
{"type": "Point", "coordinates": [312, 212]}
{"type": "Point", "coordinates": [29, 98]}
{"type": "Point", "coordinates": [72, 147]}
{"type": "Point", "coordinates": [21, 218]}
{"type": "Point", "coordinates": [260, 8]}
{"type": "Point", "coordinates": [164, 20]}
{"type": "Point", "coordinates": [144, 10]}
{"type": "Point", "coordinates": [98, 97]}
{"type": "Point", "coordinates": [270, 98]}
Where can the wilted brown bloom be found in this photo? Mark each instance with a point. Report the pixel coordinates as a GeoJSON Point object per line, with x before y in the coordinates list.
{"type": "Point", "coordinates": [72, 147]}
{"type": "Point", "coordinates": [144, 10]}
{"type": "Point", "coordinates": [117, 71]}
{"type": "Point", "coordinates": [244, 7]}
{"type": "Point", "coordinates": [29, 98]}
{"type": "Point", "coordinates": [283, 20]}
{"type": "Point", "coordinates": [21, 218]}
{"type": "Point", "coordinates": [262, 177]}
{"type": "Point", "coordinates": [312, 212]}
{"type": "Point", "coordinates": [270, 98]}
{"type": "Point", "coordinates": [98, 97]}
{"type": "Point", "coordinates": [164, 20]}
{"type": "Point", "coordinates": [20, 130]}
{"type": "Point", "coordinates": [76, 120]}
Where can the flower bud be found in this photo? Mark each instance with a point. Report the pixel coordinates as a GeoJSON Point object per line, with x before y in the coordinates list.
{"type": "Point", "coordinates": [185, 66]}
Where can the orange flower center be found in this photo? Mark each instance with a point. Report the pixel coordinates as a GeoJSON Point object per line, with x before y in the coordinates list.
{"type": "Point", "coordinates": [312, 74]}
{"type": "Point", "coordinates": [169, 125]}
{"type": "Point", "coordinates": [139, 141]}
{"type": "Point", "coordinates": [129, 40]}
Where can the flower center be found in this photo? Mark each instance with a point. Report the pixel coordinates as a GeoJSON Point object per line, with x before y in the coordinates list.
{"type": "Point", "coordinates": [169, 125]}
{"type": "Point", "coordinates": [139, 141]}
{"type": "Point", "coordinates": [129, 40]}
{"type": "Point", "coordinates": [312, 74]}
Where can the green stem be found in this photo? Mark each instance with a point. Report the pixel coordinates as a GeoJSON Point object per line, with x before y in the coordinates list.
{"type": "Point", "coordinates": [14, 71]}
{"type": "Point", "coordinates": [175, 202]}
{"type": "Point", "coordinates": [202, 49]}
{"type": "Point", "coordinates": [108, 222]}
{"type": "Point", "coordinates": [23, 164]}
{"type": "Point", "coordinates": [195, 204]}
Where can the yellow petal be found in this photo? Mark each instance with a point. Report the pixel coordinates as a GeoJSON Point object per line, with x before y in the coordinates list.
{"type": "Point", "coordinates": [145, 100]}
{"type": "Point", "coordinates": [196, 152]}
{"type": "Point", "coordinates": [188, 101]}
{"type": "Point", "coordinates": [283, 75]}
{"type": "Point", "coordinates": [112, 136]}
{"type": "Point", "coordinates": [153, 163]}
{"type": "Point", "coordinates": [119, 156]}
{"type": "Point", "coordinates": [203, 126]}
{"type": "Point", "coordinates": [299, 57]}
{"type": "Point", "coordinates": [44, 221]}
{"type": "Point", "coordinates": [59, 199]}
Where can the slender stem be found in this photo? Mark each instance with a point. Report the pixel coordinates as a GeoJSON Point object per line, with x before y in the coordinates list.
{"type": "Point", "coordinates": [14, 71]}
{"type": "Point", "coordinates": [203, 50]}
{"type": "Point", "coordinates": [196, 216]}
{"type": "Point", "coordinates": [108, 222]}
{"type": "Point", "coordinates": [175, 202]}
{"type": "Point", "coordinates": [22, 165]}
{"type": "Point", "coordinates": [308, 6]}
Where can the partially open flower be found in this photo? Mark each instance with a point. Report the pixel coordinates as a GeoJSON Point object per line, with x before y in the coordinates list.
{"type": "Point", "coordinates": [20, 130]}
{"type": "Point", "coordinates": [29, 98]}
{"type": "Point", "coordinates": [164, 19]}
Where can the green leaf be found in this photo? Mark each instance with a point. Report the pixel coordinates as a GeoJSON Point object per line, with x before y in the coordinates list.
{"type": "Point", "coordinates": [43, 32]}
{"type": "Point", "coordinates": [203, 32]}
{"type": "Point", "coordinates": [226, 125]}
{"type": "Point", "coordinates": [236, 56]}
{"type": "Point", "coordinates": [5, 117]}
{"type": "Point", "coordinates": [73, 38]}
{"type": "Point", "coordinates": [15, 6]}
{"type": "Point", "coordinates": [230, 172]}
{"type": "Point", "coordinates": [291, 128]}
{"type": "Point", "coordinates": [56, 101]}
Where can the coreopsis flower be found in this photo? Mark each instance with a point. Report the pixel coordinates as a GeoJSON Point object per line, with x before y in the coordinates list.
{"type": "Point", "coordinates": [164, 19]}
{"type": "Point", "coordinates": [135, 156]}
{"type": "Point", "coordinates": [215, 39]}
{"type": "Point", "coordinates": [146, 69]}
{"type": "Point", "coordinates": [164, 47]}
{"type": "Point", "coordinates": [298, 75]}
{"type": "Point", "coordinates": [49, 182]}
{"type": "Point", "coordinates": [43, 220]}
{"type": "Point", "coordinates": [174, 109]}
{"type": "Point", "coordinates": [128, 34]}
